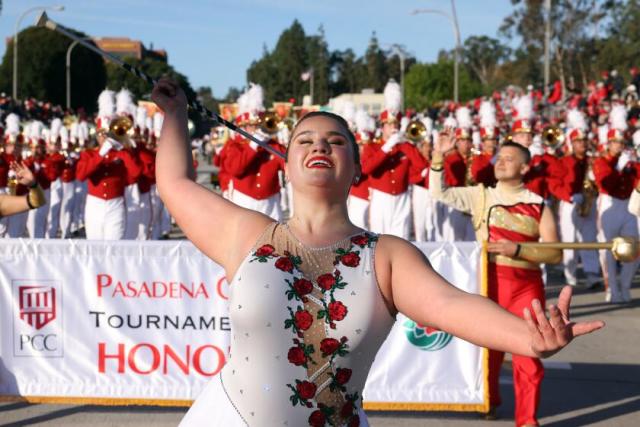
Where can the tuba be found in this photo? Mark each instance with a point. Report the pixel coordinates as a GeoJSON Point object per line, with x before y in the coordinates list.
{"type": "Point", "coordinates": [416, 131]}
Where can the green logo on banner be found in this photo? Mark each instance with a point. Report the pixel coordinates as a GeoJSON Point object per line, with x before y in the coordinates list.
{"type": "Point", "coordinates": [424, 337]}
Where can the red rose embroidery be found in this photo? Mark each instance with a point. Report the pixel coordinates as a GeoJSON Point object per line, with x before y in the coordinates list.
{"type": "Point", "coordinates": [317, 419]}
{"type": "Point", "coordinates": [329, 346]}
{"type": "Point", "coordinates": [306, 389]}
{"type": "Point", "coordinates": [304, 319]}
{"type": "Point", "coordinates": [296, 356]}
{"type": "Point", "coordinates": [326, 281]}
{"type": "Point", "coordinates": [337, 310]}
{"type": "Point", "coordinates": [343, 375]}
{"type": "Point", "coordinates": [284, 264]}
{"type": "Point", "coordinates": [360, 240]}
{"type": "Point", "coordinates": [265, 250]}
{"type": "Point", "coordinates": [350, 259]}
{"type": "Point", "coordinates": [302, 287]}
{"type": "Point", "coordinates": [355, 422]}
{"type": "Point", "coordinates": [347, 410]}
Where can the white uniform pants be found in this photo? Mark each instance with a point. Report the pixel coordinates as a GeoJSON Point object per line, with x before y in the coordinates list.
{"type": "Point", "coordinates": [37, 219]}
{"type": "Point", "coordinates": [4, 222]}
{"type": "Point", "coordinates": [66, 208]}
{"type": "Point", "coordinates": [615, 220]}
{"type": "Point", "coordinates": [79, 202]}
{"type": "Point", "coordinates": [390, 214]}
{"type": "Point", "coordinates": [576, 228]}
{"type": "Point", "coordinates": [358, 211]}
{"type": "Point", "coordinates": [269, 206]}
{"type": "Point", "coordinates": [157, 208]}
{"type": "Point", "coordinates": [424, 214]}
{"type": "Point", "coordinates": [144, 216]}
{"type": "Point", "coordinates": [104, 219]}
{"type": "Point", "coordinates": [132, 202]}
{"type": "Point", "coordinates": [55, 203]}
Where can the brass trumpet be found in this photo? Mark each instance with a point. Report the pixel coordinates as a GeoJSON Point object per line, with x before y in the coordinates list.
{"type": "Point", "coordinates": [119, 128]}
{"type": "Point", "coordinates": [416, 131]}
{"type": "Point", "coordinates": [270, 123]}
{"type": "Point", "coordinates": [552, 136]}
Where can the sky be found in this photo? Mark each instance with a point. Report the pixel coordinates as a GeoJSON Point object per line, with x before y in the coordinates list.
{"type": "Point", "coordinates": [214, 42]}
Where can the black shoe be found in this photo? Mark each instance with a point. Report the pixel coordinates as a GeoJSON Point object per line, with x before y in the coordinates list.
{"type": "Point", "coordinates": [595, 286]}
{"type": "Point", "coordinates": [492, 415]}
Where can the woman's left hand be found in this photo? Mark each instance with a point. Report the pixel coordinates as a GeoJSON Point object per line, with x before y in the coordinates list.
{"type": "Point", "coordinates": [23, 173]}
{"type": "Point", "coordinates": [550, 335]}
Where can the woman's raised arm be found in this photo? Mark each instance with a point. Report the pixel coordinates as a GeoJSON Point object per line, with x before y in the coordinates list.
{"type": "Point", "coordinates": [222, 230]}
{"type": "Point", "coordinates": [427, 298]}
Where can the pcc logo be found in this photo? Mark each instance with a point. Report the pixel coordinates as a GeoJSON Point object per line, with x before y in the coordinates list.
{"type": "Point", "coordinates": [37, 318]}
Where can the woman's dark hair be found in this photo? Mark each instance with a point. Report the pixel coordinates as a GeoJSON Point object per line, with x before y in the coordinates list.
{"type": "Point", "coordinates": [342, 122]}
{"type": "Point", "coordinates": [523, 150]}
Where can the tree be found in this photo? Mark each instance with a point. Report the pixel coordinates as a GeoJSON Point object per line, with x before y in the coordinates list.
{"type": "Point", "coordinates": [348, 72]}
{"type": "Point", "coordinates": [426, 84]}
{"type": "Point", "coordinates": [375, 63]}
{"type": "Point", "coordinates": [319, 58]}
{"type": "Point", "coordinates": [204, 94]}
{"type": "Point", "coordinates": [41, 67]}
{"type": "Point", "coordinates": [483, 55]}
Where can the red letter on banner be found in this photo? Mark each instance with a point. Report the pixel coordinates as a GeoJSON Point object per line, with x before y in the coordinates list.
{"type": "Point", "coordinates": [132, 359]}
{"type": "Point", "coordinates": [102, 356]}
{"type": "Point", "coordinates": [196, 360]}
{"type": "Point", "coordinates": [182, 364]}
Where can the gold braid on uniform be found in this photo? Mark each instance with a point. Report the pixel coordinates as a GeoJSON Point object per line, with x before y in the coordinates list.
{"type": "Point", "coordinates": [35, 197]}
{"type": "Point", "coordinates": [539, 255]}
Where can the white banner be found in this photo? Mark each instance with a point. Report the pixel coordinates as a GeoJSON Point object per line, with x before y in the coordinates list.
{"type": "Point", "coordinates": [147, 323]}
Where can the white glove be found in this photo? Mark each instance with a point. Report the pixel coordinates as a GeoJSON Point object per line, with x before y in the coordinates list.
{"type": "Point", "coordinates": [536, 149]}
{"type": "Point", "coordinates": [623, 160]}
{"type": "Point", "coordinates": [260, 136]}
{"type": "Point", "coordinates": [577, 198]}
{"type": "Point", "coordinates": [393, 140]}
{"type": "Point", "coordinates": [105, 148]}
{"type": "Point", "coordinates": [36, 167]}
{"type": "Point", "coordinates": [424, 172]}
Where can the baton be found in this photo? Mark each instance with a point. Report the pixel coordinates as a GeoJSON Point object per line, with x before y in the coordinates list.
{"type": "Point", "coordinates": [44, 21]}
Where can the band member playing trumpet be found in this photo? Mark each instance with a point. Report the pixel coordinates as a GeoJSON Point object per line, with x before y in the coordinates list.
{"type": "Point", "coordinates": [255, 171]}
{"type": "Point", "coordinates": [108, 169]}
{"type": "Point", "coordinates": [390, 163]}
{"type": "Point", "coordinates": [504, 216]}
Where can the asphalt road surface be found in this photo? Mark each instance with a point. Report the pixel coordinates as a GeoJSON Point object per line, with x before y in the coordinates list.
{"type": "Point", "coordinates": [595, 381]}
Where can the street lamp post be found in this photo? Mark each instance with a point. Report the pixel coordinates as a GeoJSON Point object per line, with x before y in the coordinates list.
{"type": "Point", "coordinates": [456, 32]}
{"type": "Point", "coordinates": [57, 8]}
{"type": "Point", "coordinates": [68, 69]}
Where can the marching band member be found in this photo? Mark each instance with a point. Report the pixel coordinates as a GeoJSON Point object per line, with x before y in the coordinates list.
{"type": "Point", "coordinates": [254, 170]}
{"type": "Point", "coordinates": [80, 139]}
{"type": "Point", "coordinates": [108, 169]}
{"type": "Point", "coordinates": [358, 200]}
{"type": "Point", "coordinates": [40, 165]}
{"type": "Point", "coordinates": [68, 179]}
{"type": "Point", "coordinates": [615, 175]}
{"type": "Point", "coordinates": [576, 212]}
{"type": "Point", "coordinates": [482, 165]}
{"type": "Point", "coordinates": [146, 180]}
{"type": "Point", "coordinates": [55, 163]}
{"type": "Point", "coordinates": [424, 206]}
{"type": "Point", "coordinates": [389, 164]}
{"type": "Point", "coordinates": [504, 216]}
{"type": "Point", "coordinates": [13, 226]}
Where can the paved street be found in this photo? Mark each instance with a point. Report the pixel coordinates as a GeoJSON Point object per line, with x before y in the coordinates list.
{"type": "Point", "coordinates": [594, 382]}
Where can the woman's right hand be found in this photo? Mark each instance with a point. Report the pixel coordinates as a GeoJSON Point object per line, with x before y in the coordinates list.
{"type": "Point", "coordinates": [168, 95]}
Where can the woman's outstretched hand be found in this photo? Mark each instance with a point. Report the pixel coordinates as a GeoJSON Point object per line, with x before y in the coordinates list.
{"type": "Point", "coordinates": [550, 335]}
{"type": "Point", "coordinates": [168, 95]}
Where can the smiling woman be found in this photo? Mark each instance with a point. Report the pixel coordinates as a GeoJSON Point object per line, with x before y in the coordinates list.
{"type": "Point", "coordinates": [313, 299]}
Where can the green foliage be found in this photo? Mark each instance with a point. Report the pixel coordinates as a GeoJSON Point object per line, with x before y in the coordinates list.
{"type": "Point", "coordinates": [41, 69]}
{"type": "Point", "coordinates": [426, 84]}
